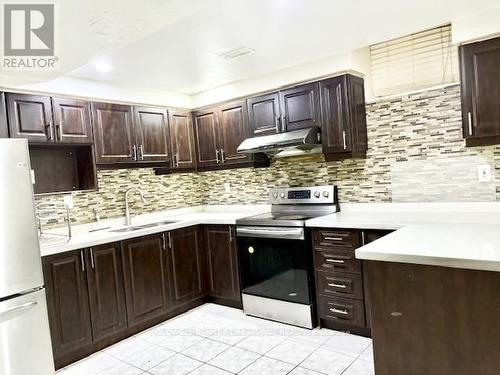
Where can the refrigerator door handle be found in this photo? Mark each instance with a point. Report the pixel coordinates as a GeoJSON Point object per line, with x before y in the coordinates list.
{"type": "Point", "coordinates": [4, 315]}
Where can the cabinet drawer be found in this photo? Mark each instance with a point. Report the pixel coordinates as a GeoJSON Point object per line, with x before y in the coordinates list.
{"type": "Point", "coordinates": [336, 238]}
{"type": "Point", "coordinates": [340, 284]}
{"type": "Point", "coordinates": [342, 310]}
{"type": "Point", "coordinates": [337, 260]}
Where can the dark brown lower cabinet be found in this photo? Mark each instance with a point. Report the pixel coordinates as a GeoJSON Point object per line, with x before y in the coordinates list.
{"type": "Point", "coordinates": [341, 281]}
{"type": "Point", "coordinates": [146, 278]}
{"type": "Point", "coordinates": [185, 265]}
{"type": "Point", "coordinates": [223, 284]}
{"type": "Point", "coordinates": [68, 305]}
{"type": "Point", "coordinates": [106, 292]}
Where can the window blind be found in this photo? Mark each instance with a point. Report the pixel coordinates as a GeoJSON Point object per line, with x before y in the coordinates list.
{"type": "Point", "coordinates": [419, 60]}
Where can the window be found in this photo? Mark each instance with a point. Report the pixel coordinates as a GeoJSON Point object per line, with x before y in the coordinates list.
{"type": "Point", "coordinates": [419, 60]}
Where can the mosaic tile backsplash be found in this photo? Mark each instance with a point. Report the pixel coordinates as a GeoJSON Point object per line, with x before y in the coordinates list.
{"type": "Point", "coordinates": [416, 153]}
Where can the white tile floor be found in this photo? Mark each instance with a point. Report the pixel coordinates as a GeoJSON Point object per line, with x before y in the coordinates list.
{"type": "Point", "coordinates": [217, 340]}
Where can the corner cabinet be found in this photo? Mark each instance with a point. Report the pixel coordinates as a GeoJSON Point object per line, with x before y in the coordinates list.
{"type": "Point", "coordinates": [343, 112]}
{"type": "Point", "coordinates": [219, 131]}
{"type": "Point", "coordinates": [223, 282]}
{"type": "Point", "coordinates": [480, 81]}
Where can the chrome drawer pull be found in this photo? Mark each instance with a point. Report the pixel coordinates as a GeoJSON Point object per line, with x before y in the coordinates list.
{"type": "Point", "coordinates": [333, 238]}
{"type": "Point", "coordinates": [343, 286]}
{"type": "Point", "coordinates": [338, 311]}
{"type": "Point", "coordinates": [339, 261]}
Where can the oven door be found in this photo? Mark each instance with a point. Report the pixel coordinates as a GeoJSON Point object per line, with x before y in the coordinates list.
{"type": "Point", "coordinates": [275, 263]}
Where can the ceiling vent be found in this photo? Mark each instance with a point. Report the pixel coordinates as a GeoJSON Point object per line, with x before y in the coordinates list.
{"type": "Point", "coordinates": [413, 62]}
{"type": "Point", "coordinates": [235, 53]}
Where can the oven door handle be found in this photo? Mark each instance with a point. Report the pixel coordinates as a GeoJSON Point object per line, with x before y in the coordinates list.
{"type": "Point", "coordinates": [271, 232]}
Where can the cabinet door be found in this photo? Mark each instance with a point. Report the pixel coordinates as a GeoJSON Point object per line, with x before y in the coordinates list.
{"type": "Point", "coordinates": [185, 265]}
{"type": "Point", "coordinates": [4, 130]}
{"type": "Point", "coordinates": [182, 140]}
{"type": "Point", "coordinates": [264, 114]}
{"type": "Point", "coordinates": [30, 117]}
{"type": "Point", "coordinates": [335, 130]}
{"type": "Point", "coordinates": [151, 129]}
{"type": "Point", "coordinates": [223, 275]}
{"type": "Point", "coordinates": [206, 123]}
{"type": "Point", "coordinates": [68, 304]}
{"type": "Point", "coordinates": [300, 107]}
{"type": "Point", "coordinates": [480, 78]}
{"type": "Point", "coordinates": [233, 129]}
{"type": "Point", "coordinates": [113, 133]}
{"type": "Point", "coordinates": [72, 121]}
{"type": "Point", "coordinates": [106, 292]}
{"type": "Point", "coordinates": [145, 276]}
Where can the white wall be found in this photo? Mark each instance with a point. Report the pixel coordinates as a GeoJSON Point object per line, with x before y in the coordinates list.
{"type": "Point", "coordinates": [356, 61]}
{"type": "Point", "coordinates": [82, 88]}
{"type": "Point", "coordinates": [479, 26]}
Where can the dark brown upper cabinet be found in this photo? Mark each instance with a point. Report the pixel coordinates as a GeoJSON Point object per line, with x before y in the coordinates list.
{"type": "Point", "coordinates": [113, 133]}
{"type": "Point", "coordinates": [300, 107]}
{"type": "Point", "coordinates": [264, 114]}
{"type": "Point", "coordinates": [182, 144]}
{"type": "Point", "coordinates": [4, 130]}
{"type": "Point", "coordinates": [72, 121]}
{"type": "Point", "coordinates": [289, 109]}
{"type": "Point", "coordinates": [30, 117]}
{"type": "Point", "coordinates": [151, 134]}
{"type": "Point", "coordinates": [206, 123]}
{"type": "Point", "coordinates": [343, 112]}
{"type": "Point", "coordinates": [480, 80]}
{"type": "Point", "coordinates": [233, 129]}
{"type": "Point", "coordinates": [219, 131]}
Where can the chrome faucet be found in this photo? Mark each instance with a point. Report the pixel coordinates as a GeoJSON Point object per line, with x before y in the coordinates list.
{"type": "Point", "coordinates": [127, 208]}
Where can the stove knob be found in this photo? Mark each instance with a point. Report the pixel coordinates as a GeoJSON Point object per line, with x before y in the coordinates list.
{"type": "Point", "coordinates": [326, 194]}
{"type": "Point", "coordinates": [317, 194]}
{"type": "Point", "coordinates": [275, 195]}
{"type": "Point", "coordinates": [282, 195]}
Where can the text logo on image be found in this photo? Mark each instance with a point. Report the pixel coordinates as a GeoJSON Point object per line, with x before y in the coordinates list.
{"type": "Point", "coordinates": [29, 37]}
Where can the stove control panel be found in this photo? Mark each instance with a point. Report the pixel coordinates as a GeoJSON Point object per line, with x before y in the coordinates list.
{"type": "Point", "coordinates": [304, 195]}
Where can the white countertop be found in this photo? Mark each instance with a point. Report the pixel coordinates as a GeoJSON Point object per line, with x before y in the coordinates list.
{"type": "Point", "coordinates": [460, 235]}
{"type": "Point", "coordinates": [52, 243]}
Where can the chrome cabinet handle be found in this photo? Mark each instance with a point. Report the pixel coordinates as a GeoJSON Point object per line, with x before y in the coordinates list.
{"type": "Point", "coordinates": [169, 240]}
{"type": "Point", "coordinates": [177, 159]}
{"type": "Point", "coordinates": [141, 152]}
{"type": "Point", "coordinates": [174, 164]}
{"type": "Point", "coordinates": [469, 118]}
{"type": "Point", "coordinates": [338, 311]}
{"type": "Point", "coordinates": [163, 242]}
{"type": "Point", "coordinates": [58, 132]}
{"type": "Point", "coordinates": [92, 258]}
{"type": "Point", "coordinates": [48, 130]}
{"type": "Point", "coordinates": [217, 156]}
{"type": "Point", "coordinates": [222, 156]}
{"type": "Point", "coordinates": [134, 152]}
{"type": "Point", "coordinates": [345, 142]}
{"type": "Point", "coordinates": [82, 260]}
{"type": "Point", "coordinates": [283, 123]}
{"type": "Point", "coordinates": [334, 238]}
{"type": "Point", "coordinates": [230, 234]}
{"type": "Point", "coordinates": [339, 261]}
{"type": "Point", "coordinates": [277, 121]}
{"type": "Point", "coordinates": [363, 240]}
{"type": "Point", "coordinates": [334, 285]}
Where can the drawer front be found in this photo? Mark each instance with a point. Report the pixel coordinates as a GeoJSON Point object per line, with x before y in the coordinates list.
{"type": "Point", "coordinates": [342, 310]}
{"type": "Point", "coordinates": [340, 284]}
{"type": "Point", "coordinates": [337, 260]}
{"type": "Point", "coordinates": [347, 239]}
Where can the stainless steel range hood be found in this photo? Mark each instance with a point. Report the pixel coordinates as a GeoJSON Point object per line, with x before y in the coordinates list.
{"type": "Point", "coordinates": [293, 143]}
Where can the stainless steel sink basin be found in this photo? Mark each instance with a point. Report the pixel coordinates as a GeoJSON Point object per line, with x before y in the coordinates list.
{"type": "Point", "coordinates": [143, 226]}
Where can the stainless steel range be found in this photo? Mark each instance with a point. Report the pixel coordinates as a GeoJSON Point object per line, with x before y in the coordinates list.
{"type": "Point", "coordinates": [275, 255]}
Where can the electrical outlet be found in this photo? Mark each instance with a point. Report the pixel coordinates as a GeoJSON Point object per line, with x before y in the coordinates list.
{"type": "Point", "coordinates": [227, 187]}
{"type": "Point", "coordinates": [484, 173]}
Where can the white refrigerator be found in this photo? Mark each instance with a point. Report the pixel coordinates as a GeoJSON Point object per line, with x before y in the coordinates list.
{"type": "Point", "coordinates": [25, 346]}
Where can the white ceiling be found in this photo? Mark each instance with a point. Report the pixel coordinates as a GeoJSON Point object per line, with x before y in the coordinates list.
{"type": "Point", "coordinates": [173, 44]}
